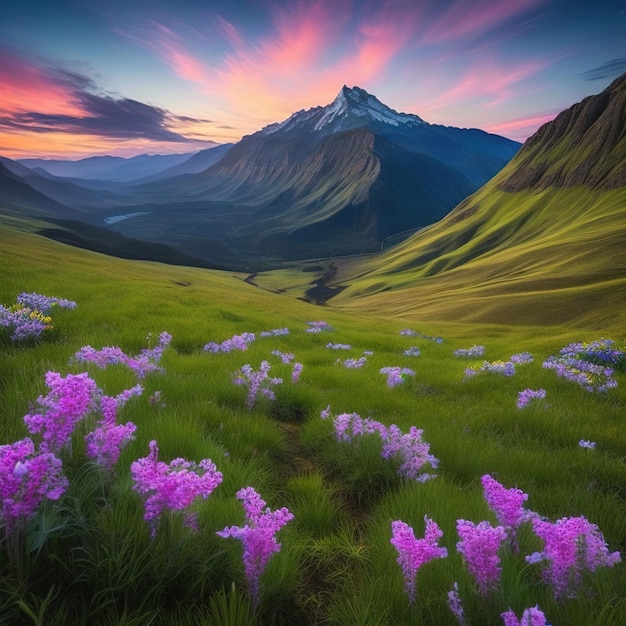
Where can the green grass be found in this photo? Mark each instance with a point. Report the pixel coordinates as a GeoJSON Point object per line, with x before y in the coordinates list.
{"type": "Point", "coordinates": [89, 558]}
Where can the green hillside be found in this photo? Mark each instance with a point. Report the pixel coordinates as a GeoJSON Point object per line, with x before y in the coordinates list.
{"type": "Point", "coordinates": [89, 556]}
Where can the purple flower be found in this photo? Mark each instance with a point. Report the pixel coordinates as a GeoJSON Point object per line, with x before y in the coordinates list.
{"type": "Point", "coordinates": [396, 375]}
{"type": "Point", "coordinates": [69, 401]}
{"type": "Point", "coordinates": [285, 357]}
{"type": "Point", "coordinates": [44, 304]}
{"type": "Point", "coordinates": [104, 444]}
{"type": "Point", "coordinates": [236, 342]}
{"type": "Point", "coordinates": [26, 479]}
{"type": "Point", "coordinates": [579, 363]}
{"type": "Point", "coordinates": [455, 604]}
{"type": "Point", "coordinates": [353, 363]}
{"type": "Point", "coordinates": [142, 364]}
{"type": "Point", "coordinates": [507, 504]}
{"type": "Point", "coordinates": [325, 413]}
{"type": "Point", "coordinates": [258, 536]}
{"type": "Point", "coordinates": [412, 351]}
{"type": "Point", "coordinates": [338, 346]}
{"type": "Point", "coordinates": [295, 372]}
{"type": "Point", "coordinates": [571, 546]}
{"type": "Point", "coordinates": [276, 332]}
{"type": "Point", "coordinates": [257, 382]}
{"type": "Point", "coordinates": [531, 617]}
{"type": "Point", "coordinates": [318, 327]}
{"type": "Point", "coordinates": [522, 358]}
{"type": "Point", "coordinates": [470, 353]}
{"type": "Point", "coordinates": [590, 445]}
{"type": "Point", "coordinates": [413, 553]}
{"type": "Point", "coordinates": [479, 546]}
{"type": "Point", "coordinates": [174, 486]}
{"type": "Point", "coordinates": [409, 449]}
{"type": "Point", "coordinates": [524, 397]}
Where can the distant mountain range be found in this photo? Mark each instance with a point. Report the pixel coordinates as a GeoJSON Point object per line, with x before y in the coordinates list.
{"type": "Point", "coordinates": [333, 180]}
{"type": "Point", "coordinates": [542, 242]}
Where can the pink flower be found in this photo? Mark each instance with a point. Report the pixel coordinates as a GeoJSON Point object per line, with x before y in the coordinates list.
{"type": "Point", "coordinates": [479, 546]}
{"type": "Point", "coordinates": [258, 536]}
{"type": "Point", "coordinates": [413, 553]}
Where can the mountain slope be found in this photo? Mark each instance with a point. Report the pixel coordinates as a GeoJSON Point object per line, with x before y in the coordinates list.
{"type": "Point", "coordinates": [526, 247]}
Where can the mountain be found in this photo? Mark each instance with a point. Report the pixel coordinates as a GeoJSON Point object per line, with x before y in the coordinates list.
{"type": "Point", "coordinates": [542, 242]}
{"type": "Point", "coordinates": [108, 167]}
{"type": "Point", "coordinates": [196, 163]}
{"type": "Point", "coordinates": [63, 190]}
{"type": "Point", "coordinates": [337, 179]}
{"type": "Point", "coordinates": [18, 197]}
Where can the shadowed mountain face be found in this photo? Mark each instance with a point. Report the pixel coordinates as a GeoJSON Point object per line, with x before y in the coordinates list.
{"type": "Point", "coordinates": [540, 243]}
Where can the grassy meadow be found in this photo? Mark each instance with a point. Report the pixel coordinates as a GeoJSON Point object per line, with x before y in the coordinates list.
{"type": "Point", "coordinates": [89, 557]}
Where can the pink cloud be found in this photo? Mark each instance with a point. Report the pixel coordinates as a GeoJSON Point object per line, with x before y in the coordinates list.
{"type": "Point", "coordinates": [25, 86]}
{"type": "Point", "coordinates": [312, 49]}
{"type": "Point", "coordinates": [487, 81]}
{"type": "Point", "coordinates": [521, 128]}
{"type": "Point", "coordinates": [469, 19]}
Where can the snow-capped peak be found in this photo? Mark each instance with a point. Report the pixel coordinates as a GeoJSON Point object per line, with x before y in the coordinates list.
{"type": "Point", "coordinates": [356, 101]}
{"type": "Point", "coordinates": [352, 108]}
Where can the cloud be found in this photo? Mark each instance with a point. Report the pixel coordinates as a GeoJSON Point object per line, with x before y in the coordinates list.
{"type": "Point", "coordinates": [40, 98]}
{"type": "Point", "coordinates": [464, 19]}
{"type": "Point", "coordinates": [521, 128]}
{"type": "Point", "coordinates": [610, 69]}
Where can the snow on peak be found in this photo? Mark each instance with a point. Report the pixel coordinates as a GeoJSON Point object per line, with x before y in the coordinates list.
{"type": "Point", "coordinates": [349, 107]}
{"type": "Point", "coordinates": [357, 102]}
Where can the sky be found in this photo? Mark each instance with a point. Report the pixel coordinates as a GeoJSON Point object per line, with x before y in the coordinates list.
{"type": "Point", "coordinates": [82, 78]}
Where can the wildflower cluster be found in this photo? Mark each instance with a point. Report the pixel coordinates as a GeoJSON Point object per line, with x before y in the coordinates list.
{"type": "Point", "coordinates": [27, 478]}
{"type": "Point", "coordinates": [104, 444]}
{"type": "Point", "coordinates": [44, 304]}
{"type": "Point", "coordinates": [338, 346]}
{"type": "Point", "coordinates": [69, 401]}
{"type": "Point", "coordinates": [522, 358]}
{"type": "Point", "coordinates": [257, 382]}
{"type": "Point", "coordinates": [258, 536]}
{"type": "Point", "coordinates": [479, 546]}
{"type": "Point", "coordinates": [276, 332]}
{"type": "Point", "coordinates": [412, 452]}
{"type": "Point", "coordinates": [530, 617]}
{"type": "Point", "coordinates": [407, 332]}
{"type": "Point", "coordinates": [396, 375]}
{"type": "Point", "coordinates": [600, 351]}
{"type": "Point", "coordinates": [318, 327]}
{"type": "Point", "coordinates": [412, 351]}
{"type": "Point", "coordinates": [174, 486]}
{"type": "Point", "coordinates": [524, 397]}
{"type": "Point", "coordinates": [589, 376]}
{"type": "Point", "coordinates": [28, 318]}
{"type": "Point", "coordinates": [572, 545]}
{"type": "Point", "coordinates": [470, 353]}
{"type": "Point", "coordinates": [507, 368]}
{"type": "Point", "coordinates": [236, 342]}
{"type": "Point", "coordinates": [507, 504]}
{"type": "Point", "coordinates": [413, 553]}
{"type": "Point", "coordinates": [142, 364]}
{"type": "Point", "coordinates": [285, 357]}
{"type": "Point", "coordinates": [589, 445]}
{"type": "Point", "coordinates": [353, 363]}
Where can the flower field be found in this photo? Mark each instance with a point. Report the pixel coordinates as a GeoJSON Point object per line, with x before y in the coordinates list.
{"type": "Point", "coordinates": [369, 473]}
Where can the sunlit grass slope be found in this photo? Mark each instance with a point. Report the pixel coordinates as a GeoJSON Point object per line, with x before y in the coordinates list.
{"type": "Point", "coordinates": [89, 558]}
{"type": "Point", "coordinates": [550, 257]}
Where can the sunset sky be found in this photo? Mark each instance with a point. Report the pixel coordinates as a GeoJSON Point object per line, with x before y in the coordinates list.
{"type": "Point", "coordinates": [85, 77]}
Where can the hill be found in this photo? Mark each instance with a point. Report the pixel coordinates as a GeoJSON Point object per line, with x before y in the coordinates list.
{"type": "Point", "coordinates": [541, 243]}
